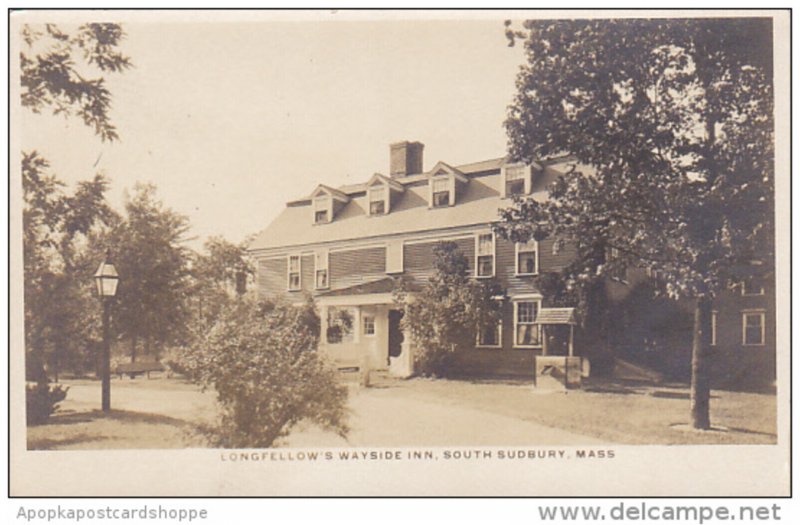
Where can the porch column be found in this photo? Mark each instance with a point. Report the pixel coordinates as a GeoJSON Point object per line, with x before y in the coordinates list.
{"type": "Point", "coordinates": [571, 337]}
{"type": "Point", "coordinates": [544, 339]}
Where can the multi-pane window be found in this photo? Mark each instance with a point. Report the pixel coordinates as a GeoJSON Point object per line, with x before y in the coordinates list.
{"type": "Point", "coordinates": [321, 209]}
{"type": "Point", "coordinates": [557, 245]}
{"type": "Point", "coordinates": [490, 335]}
{"type": "Point", "coordinates": [321, 269]}
{"type": "Point", "coordinates": [441, 192]}
{"type": "Point", "coordinates": [377, 200]}
{"type": "Point", "coordinates": [527, 259]}
{"type": "Point", "coordinates": [752, 287]}
{"type": "Point", "coordinates": [340, 325]}
{"type": "Point", "coordinates": [294, 272]}
{"type": "Point", "coordinates": [369, 325]}
{"type": "Point", "coordinates": [485, 255]}
{"type": "Point", "coordinates": [515, 180]}
{"type": "Point", "coordinates": [526, 332]}
{"type": "Point", "coordinates": [753, 330]}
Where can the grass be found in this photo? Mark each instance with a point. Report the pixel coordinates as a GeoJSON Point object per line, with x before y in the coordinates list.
{"type": "Point", "coordinates": [623, 412]}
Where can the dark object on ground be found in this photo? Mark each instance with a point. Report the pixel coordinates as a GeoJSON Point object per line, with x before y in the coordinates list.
{"type": "Point", "coordinates": [134, 369]}
{"type": "Point", "coordinates": [41, 400]}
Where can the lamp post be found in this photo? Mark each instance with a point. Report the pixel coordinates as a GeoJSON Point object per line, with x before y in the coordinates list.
{"type": "Point", "coordinates": [106, 280]}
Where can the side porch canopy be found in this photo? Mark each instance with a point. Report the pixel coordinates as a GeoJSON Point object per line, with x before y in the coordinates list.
{"type": "Point", "coordinates": [557, 316]}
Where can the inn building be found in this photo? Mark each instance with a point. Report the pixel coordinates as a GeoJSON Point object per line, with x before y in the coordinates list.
{"type": "Point", "coordinates": [345, 247]}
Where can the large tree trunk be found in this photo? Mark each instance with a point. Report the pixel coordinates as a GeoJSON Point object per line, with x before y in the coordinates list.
{"type": "Point", "coordinates": [701, 364]}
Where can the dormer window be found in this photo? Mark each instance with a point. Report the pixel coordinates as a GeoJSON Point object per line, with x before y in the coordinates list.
{"type": "Point", "coordinates": [377, 200]}
{"type": "Point", "coordinates": [444, 182]}
{"type": "Point", "coordinates": [326, 202]}
{"type": "Point", "coordinates": [441, 192]}
{"type": "Point", "coordinates": [517, 180]}
{"type": "Point", "coordinates": [321, 210]}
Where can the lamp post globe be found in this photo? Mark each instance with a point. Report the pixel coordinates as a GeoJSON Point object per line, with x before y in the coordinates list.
{"type": "Point", "coordinates": [106, 279]}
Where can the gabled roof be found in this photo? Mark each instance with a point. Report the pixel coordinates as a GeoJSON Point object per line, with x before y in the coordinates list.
{"type": "Point", "coordinates": [393, 184]}
{"type": "Point", "coordinates": [442, 168]}
{"type": "Point", "coordinates": [333, 192]}
{"type": "Point", "coordinates": [478, 204]}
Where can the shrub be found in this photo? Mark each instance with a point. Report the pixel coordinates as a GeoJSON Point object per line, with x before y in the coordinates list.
{"type": "Point", "coordinates": [41, 400]}
{"type": "Point", "coordinates": [262, 363]}
{"type": "Point", "coordinates": [443, 318]}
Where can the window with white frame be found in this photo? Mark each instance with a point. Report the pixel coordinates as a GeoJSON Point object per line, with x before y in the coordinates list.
{"type": "Point", "coordinates": [294, 272]}
{"type": "Point", "coordinates": [441, 192]}
{"type": "Point", "coordinates": [515, 177]}
{"type": "Point", "coordinates": [557, 245]}
{"type": "Point", "coordinates": [714, 328]}
{"type": "Point", "coordinates": [377, 200]}
{"type": "Point", "coordinates": [752, 287]}
{"type": "Point", "coordinates": [753, 328]}
{"type": "Point", "coordinates": [322, 206]}
{"type": "Point", "coordinates": [526, 332]}
{"type": "Point", "coordinates": [527, 258]}
{"type": "Point", "coordinates": [491, 335]}
{"type": "Point", "coordinates": [484, 255]}
{"type": "Point", "coordinates": [321, 269]}
{"type": "Point", "coordinates": [369, 324]}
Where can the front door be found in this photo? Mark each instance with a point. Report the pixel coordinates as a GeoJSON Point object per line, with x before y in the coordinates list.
{"type": "Point", "coordinates": [396, 337]}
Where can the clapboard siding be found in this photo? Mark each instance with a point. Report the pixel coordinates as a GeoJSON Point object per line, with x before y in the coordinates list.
{"type": "Point", "coordinates": [418, 257]}
{"type": "Point", "coordinates": [272, 277]}
{"type": "Point", "coordinates": [351, 267]}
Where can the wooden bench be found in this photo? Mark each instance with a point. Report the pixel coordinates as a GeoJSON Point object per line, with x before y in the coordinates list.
{"type": "Point", "coordinates": [138, 368]}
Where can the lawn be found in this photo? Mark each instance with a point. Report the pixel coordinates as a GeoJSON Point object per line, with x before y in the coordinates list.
{"type": "Point", "coordinates": [164, 413]}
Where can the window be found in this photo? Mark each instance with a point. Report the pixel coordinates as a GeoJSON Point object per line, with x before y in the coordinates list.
{"type": "Point", "coordinates": [394, 257]}
{"type": "Point", "coordinates": [515, 180]}
{"type": "Point", "coordinates": [526, 333]}
{"type": "Point", "coordinates": [484, 251]}
{"type": "Point", "coordinates": [369, 325]}
{"type": "Point", "coordinates": [714, 328]}
{"type": "Point", "coordinates": [752, 287]}
{"type": "Point", "coordinates": [527, 258]}
{"type": "Point", "coordinates": [321, 210]}
{"type": "Point", "coordinates": [491, 336]}
{"type": "Point", "coordinates": [321, 269]}
{"type": "Point", "coordinates": [753, 330]}
{"type": "Point", "coordinates": [441, 192]}
{"type": "Point", "coordinates": [618, 271]}
{"type": "Point", "coordinates": [557, 246]}
{"type": "Point", "coordinates": [377, 200]}
{"type": "Point", "coordinates": [340, 325]}
{"type": "Point", "coordinates": [294, 272]}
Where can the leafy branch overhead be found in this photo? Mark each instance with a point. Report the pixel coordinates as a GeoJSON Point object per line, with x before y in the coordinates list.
{"type": "Point", "coordinates": [56, 69]}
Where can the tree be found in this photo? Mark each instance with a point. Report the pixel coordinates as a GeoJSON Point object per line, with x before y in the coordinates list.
{"type": "Point", "coordinates": [218, 275]}
{"type": "Point", "coordinates": [57, 283]}
{"type": "Point", "coordinates": [147, 250]}
{"type": "Point", "coordinates": [444, 316]}
{"type": "Point", "coordinates": [669, 123]}
{"type": "Point", "coordinates": [53, 74]}
{"type": "Point", "coordinates": [261, 360]}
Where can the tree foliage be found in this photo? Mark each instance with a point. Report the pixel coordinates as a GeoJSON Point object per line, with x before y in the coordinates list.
{"type": "Point", "coordinates": [57, 281]}
{"type": "Point", "coordinates": [55, 68]}
{"type": "Point", "coordinates": [261, 361]}
{"type": "Point", "coordinates": [147, 250]}
{"type": "Point", "coordinates": [444, 316]}
{"type": "Point", "coordinates": [669, 123]}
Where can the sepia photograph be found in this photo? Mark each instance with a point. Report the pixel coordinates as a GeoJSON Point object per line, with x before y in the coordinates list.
{"type": "Point", "coordinates": [322, 252]}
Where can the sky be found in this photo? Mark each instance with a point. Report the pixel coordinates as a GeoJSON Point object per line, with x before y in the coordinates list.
{"type": "Point", "coordinates": [232, 119]}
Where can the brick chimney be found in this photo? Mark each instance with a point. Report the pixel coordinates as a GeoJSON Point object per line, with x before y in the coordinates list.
{"type": "Point", "coordinates": [405, 158]}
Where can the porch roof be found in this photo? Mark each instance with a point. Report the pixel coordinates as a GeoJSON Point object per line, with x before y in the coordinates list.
{"type": "Point", "coordinates": [556, 316]}
{"type": "Point", "coordinates": [380, 286]}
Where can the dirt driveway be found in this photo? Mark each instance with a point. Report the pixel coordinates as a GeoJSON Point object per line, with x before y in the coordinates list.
{"type": "Point", "coordinates": [406, 413]}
